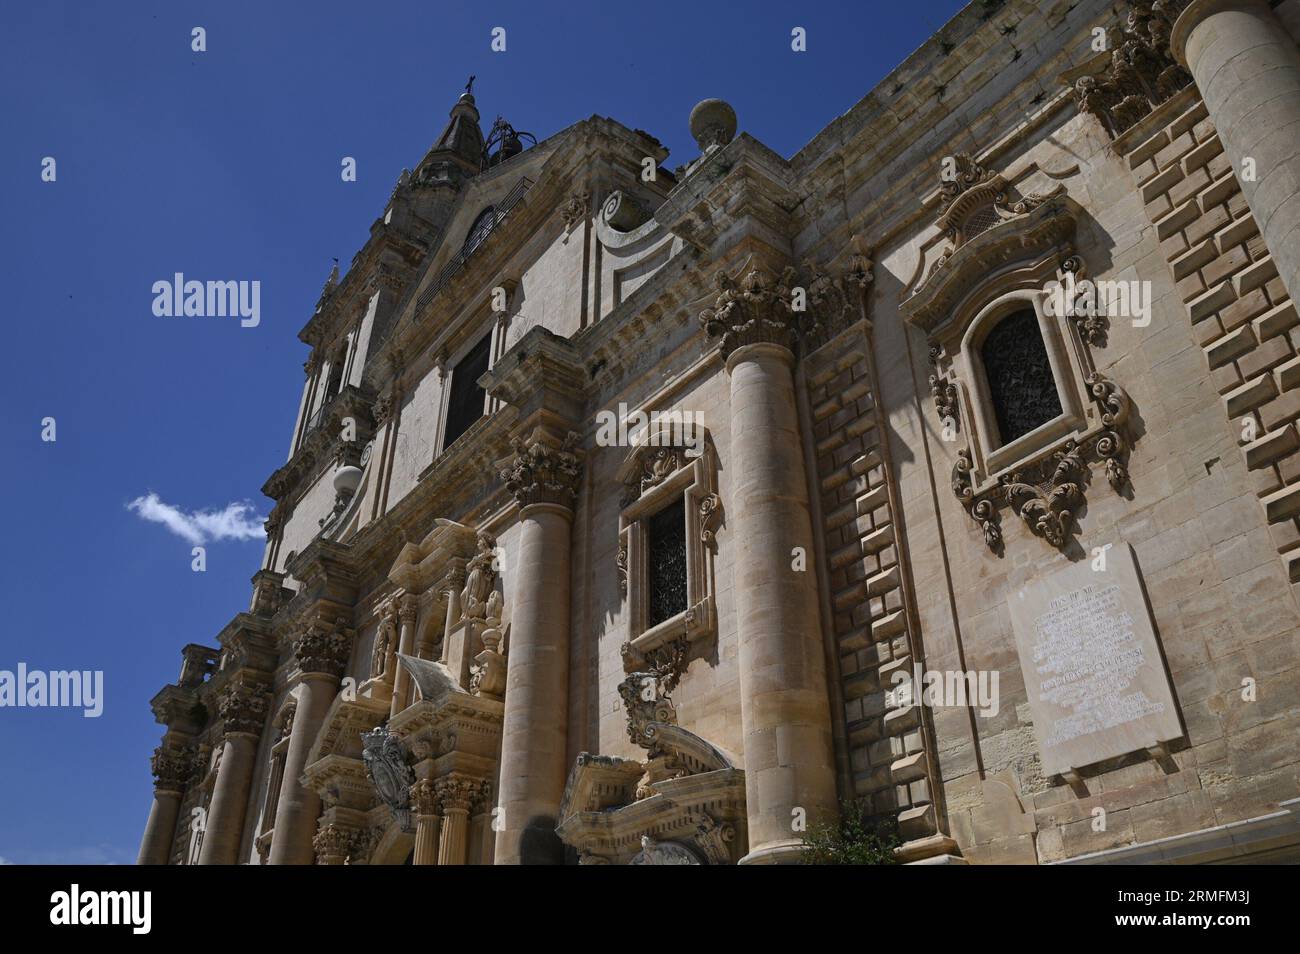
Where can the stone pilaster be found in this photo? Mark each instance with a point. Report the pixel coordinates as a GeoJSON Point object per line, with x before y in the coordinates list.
{"type": "Point", "coordinates": [322, 652]}
{"type": "Point", "coordinates": [1247, 69]}
{"type": "Point", "coordinates": [172, 770]}
{"type": "Point", "coordinates": [407, 610]}
{"type": "Point", "coordinates": [543, 475]}
{"type": "Point", "coordinates": [424, 804]}
{"type": "Point", "coordinates": [785, 709]}
{"type": "Point", "coordinates": [243, 709]}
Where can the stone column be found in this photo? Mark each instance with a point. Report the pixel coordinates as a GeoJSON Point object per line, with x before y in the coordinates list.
{"type": "Point", "coordinates": [543, 475]}
{"type": "Point", "coordinates": [784, 705]}
{"type": "Point", "coordinates": [408, 610]}
{"type": "Point", "coordinates": [424, 803]}
{"type": "Point", "coordinates": [1247, 69]}
{"type": "Point", "coordinates": [457, 795]}
{"type": "Point", "coordinates": [322, 653]}
{"type": "Point", "coordinates": [172, 770]}
{"type": "Point", "coordinates": [243, 708]}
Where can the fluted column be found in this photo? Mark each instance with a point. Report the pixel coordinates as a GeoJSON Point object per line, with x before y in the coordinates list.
{"type": "Point", "coordinates": [543, 475]}
{"type": "Point", "coordinates": [1247, 69]}
{"type": "Point", "coordinates": [424, 803]}
{"type": "Point", "coordinates": [784, 705]}
{"type": "Point", "coordinates": [408, 610]}
{"type": "Point", "coordinates": [458, 795]}
{"type": "Point", "coordinates": [172, 770]}
{"type": "Point", "coordinates": [243, 708]}
{"type": "Point", "coordinates": [322, 651]}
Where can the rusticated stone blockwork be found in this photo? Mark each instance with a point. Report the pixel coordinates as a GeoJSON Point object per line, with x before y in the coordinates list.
{"type": "Point", "coordinates": [1240, 311]}
{"type": "Point", "coordinates": [884, 735]}
{"type": "Point", "coordinates": [845, 469]}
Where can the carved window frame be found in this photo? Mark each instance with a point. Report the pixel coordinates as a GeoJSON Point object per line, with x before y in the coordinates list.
{"type": "Point", "coordinates": [991, 455]}
{"type": "Point", "coordinates": [648, 491]}
{"type": "Point", "coordinates": [956, 297]}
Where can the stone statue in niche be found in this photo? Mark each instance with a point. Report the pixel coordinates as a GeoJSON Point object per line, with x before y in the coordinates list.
{"type": "Point", "coordinates": [480, 576]}
{"type": "Point", "coordinates": [379, 659]}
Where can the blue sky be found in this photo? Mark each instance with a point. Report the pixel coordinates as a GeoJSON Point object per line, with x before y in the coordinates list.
{"type": "Point", "coordinates": [225, 165]}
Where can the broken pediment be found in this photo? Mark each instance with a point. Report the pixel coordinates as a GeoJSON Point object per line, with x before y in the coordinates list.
{"type": "Point", "coordinates": [983, 229]}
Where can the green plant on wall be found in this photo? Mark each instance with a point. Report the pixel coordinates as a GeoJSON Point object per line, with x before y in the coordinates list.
{"type": "Point", "coordinates": [857, 838]}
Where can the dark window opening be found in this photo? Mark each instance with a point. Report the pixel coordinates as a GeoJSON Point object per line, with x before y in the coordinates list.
{"type": "Point", "coordinates": [666, 562]}
{"type": "Point", "coordinates": [1021, 385]}
{"type": "Point", "coordinates": [335, 382]}
{"type": "Point", "coordinates": [465, 403]}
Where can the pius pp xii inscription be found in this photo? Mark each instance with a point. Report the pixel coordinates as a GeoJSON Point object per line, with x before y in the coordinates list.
{"type": "Point", "coordinates": [1096, 683]}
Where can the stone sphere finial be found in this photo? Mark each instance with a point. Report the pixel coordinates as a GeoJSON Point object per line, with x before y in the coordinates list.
{"type": "Point", "coordinates": [713, 123]}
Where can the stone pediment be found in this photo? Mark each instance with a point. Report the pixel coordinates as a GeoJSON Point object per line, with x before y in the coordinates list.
{"type": "Point", "coordinates": [1026, 235]}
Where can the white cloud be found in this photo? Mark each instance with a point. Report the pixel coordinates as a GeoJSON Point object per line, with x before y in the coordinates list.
{"type": "Point", "coordinates": [237, 521]}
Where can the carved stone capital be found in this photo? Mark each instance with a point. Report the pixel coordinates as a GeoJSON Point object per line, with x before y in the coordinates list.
{"type": "Point", "coordinates": [334, 845]}
{"type": "Point", "coordinates": [459, 793]}
{"type": "Point", "coordinates": [755, 310]}
{"type": "Point", "coordinates": [173, 768]}
{"type": "Point", "coordinates": [425, 799]}
{"type": "Point", "coordinates": [408, 608]}
{"type": "Point", "coordinates": [543, 472]}
{"type": "Point", "coordinates": [243, 707]}
{"type": "Point", "coordinates": [1138, 70]}
{"type": "Point", "coordinates": [324, 647]}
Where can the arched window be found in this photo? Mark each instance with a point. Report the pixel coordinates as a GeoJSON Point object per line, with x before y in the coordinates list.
{"type": "Point", "coordinates": [1021, 386]}
{"type": "Point", "coordinates": [480, 230]}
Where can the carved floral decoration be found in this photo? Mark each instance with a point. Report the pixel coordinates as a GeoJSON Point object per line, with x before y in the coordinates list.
{"type": "Point", "coordinates": [1048, 494]}
{"type": "Point", "coordinates": [1137, 71]}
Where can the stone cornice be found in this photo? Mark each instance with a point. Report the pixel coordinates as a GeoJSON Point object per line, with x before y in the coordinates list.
{"type": "Point", "coordinates": [741, 190]}
{"type": "Point", "coordinates": [324, 444]}
{"type": "Point", "coordinates": [541, 370]}
{"type": "Point", "coordinates": [372, 267]}
{"type": "Point", "coordinates": [856, 157]}
{"type": "Point", "coordinates": [175, 708]}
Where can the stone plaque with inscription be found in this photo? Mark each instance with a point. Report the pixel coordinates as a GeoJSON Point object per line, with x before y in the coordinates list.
{"type": "Point", "coordinates": [1093, 671]}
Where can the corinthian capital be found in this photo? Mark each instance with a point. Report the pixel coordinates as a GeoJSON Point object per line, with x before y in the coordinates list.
{"type": "Point", "coordinates": [172, 768]}
{"type": "Point", "coordinates": [424, 797]}
{"type": "Point", "coordinates": [542, 470]}
{"type": "Point", "coordinates": [243, 707]}
{"type": "Point", "coordinates": [324, 647]}
{"type": "Point", "coordinates": [408, 608]}
{"type": "Point", "coordinates": [755, 310]}
{"type": "Point", "coordinates": [459, 792]}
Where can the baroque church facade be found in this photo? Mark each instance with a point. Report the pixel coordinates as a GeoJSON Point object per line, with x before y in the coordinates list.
{"type": "Point", "coordinates": [895, 513]}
